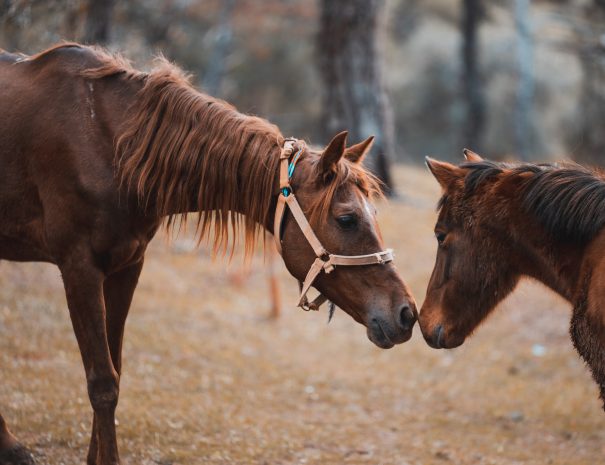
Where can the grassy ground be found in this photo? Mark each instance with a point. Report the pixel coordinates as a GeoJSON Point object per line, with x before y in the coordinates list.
{"type": "Point", "coordinates": [208, 380]}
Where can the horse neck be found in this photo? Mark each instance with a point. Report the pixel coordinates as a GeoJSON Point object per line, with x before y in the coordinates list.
{"type": "Point", "coordinates": [538, 254]}
{"type": "Point", "coordinates": [249, 162]}
{"type": "Point", "coordinates": [220, 164]}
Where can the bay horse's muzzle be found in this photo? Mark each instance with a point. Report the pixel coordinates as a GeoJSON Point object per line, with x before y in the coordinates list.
{"type": "Point", "coordinates": [438, 338]}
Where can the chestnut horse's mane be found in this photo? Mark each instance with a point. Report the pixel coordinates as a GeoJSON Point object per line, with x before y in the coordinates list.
{"type": "Point", "coordinates": [568, 199]}
{"type": "Point", "coordinates": [184, 151]}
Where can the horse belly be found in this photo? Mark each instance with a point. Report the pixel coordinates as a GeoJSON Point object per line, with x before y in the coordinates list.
{"type": "Point", "coordinates": [21, 218]}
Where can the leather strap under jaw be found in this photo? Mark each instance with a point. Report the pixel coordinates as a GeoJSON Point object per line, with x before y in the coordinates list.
{"type": "Point", "coordinates": [324, 260]}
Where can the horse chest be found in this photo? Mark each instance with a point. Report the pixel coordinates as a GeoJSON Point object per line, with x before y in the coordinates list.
{"type": "Point", "coordinates": [122, 254]}
{"type": "Point", "coordinates": [118, 248]}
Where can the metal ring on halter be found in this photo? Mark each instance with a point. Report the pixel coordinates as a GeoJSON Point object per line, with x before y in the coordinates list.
{"type": "Point", "coordinates": [324, 260]}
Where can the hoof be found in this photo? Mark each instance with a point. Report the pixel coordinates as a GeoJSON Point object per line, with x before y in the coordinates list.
{"type": "Point", "coordinates": [17, 455]}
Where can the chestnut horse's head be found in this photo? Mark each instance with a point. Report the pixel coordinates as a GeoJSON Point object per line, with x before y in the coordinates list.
{"type": "Point", "coordinates": [335, 192]}
{"type": "Point", "coordinates": [474, 268]}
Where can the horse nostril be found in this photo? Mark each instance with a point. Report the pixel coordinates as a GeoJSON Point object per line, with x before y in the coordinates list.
{"type": "Point", "coordinates": [407, 318]}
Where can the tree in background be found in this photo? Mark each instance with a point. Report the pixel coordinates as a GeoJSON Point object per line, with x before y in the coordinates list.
{"type": "Point", "coordinates": [472, 86]}
{"type": "Point", "coordinates": [525, 86]}
{"type": "Point", "coordinates": [98, 21]}
{"type": "Point", "coordinates": [354, 96]}
{"type": "Point", "coordinates": [588, 141]}
{"type": "Point", "coordinates": [222, 38]}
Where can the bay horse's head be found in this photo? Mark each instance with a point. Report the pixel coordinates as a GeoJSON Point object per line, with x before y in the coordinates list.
{"type": "Point", "coordinates": [335, 193]}
{"type": "Point", "coordinates": [474, 268]}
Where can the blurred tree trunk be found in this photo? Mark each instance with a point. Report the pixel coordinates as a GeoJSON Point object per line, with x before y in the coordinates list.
{"type": "Point", "coordinates": [98, 21]}
{"type": "Point", "coordinates": [354, 97]}
{"type": "Point", "coordinates": [525, 85]}
{"type": "Point", "coordinates": [4, 8]}
{"type": "Point", "coordinates": [589, 140]}
{"type": "Point", "coordinates": [222, 38]}
{"type": "Point", "coordinates": [472, 85]}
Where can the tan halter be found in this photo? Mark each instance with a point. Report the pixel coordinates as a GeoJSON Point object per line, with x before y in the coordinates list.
{"type": "Point", "coordinates": [324, 260]}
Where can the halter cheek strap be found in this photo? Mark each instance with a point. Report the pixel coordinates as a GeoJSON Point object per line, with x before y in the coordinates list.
{"type": "Point", "coordinates": [324, 261]}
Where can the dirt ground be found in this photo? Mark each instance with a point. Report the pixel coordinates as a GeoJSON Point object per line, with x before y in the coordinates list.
{"type": "Point", "coordinates": [209, 380]}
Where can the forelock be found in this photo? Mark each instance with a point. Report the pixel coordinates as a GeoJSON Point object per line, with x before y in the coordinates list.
{"type": "Point", "coordinates": [345, 176]}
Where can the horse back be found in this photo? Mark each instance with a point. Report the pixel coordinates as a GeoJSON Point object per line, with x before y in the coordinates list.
{"type": "Point", "coordinates": [45, 105]}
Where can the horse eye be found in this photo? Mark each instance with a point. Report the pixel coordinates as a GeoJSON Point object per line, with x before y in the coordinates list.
{"type": "Point", "coordinates": [440, 237]}
{"type": "Point", "coordinates": [347, 221]}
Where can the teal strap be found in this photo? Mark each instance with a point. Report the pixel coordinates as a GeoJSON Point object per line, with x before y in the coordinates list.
{"type": "Point", "coordinates": [293, 164]}
{"type": "Point", "coordinates": [286, 190]}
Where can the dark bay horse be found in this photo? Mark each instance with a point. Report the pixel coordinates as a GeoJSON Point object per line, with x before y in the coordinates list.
{"type": "Point", "coordinates": [499, 222]}
{"type": "Point", "coordinates": [95, 155]}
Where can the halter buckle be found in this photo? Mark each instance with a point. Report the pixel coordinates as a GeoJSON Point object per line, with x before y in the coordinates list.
{"type": "Point", "coordinates": [328, 267]}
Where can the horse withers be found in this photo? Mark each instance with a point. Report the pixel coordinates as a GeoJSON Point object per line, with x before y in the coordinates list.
{"type": "Point", "coordinates": [95, 155]}
{"type": "Point", "coordinates": [499, 222]}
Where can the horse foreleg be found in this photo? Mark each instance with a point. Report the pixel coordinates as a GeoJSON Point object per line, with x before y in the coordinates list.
{"type": "Point", "coordinates": [11, 452]}
{"type": "Point", "coordinates": [118, 290]}
{"type": "Point", "coordinates": [84, 290]}
{"type": "Point", "coordinates": [588, 337]}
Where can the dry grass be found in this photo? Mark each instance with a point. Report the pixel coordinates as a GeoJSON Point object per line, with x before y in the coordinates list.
{"type": "Point", "coordinates": [208, 380]}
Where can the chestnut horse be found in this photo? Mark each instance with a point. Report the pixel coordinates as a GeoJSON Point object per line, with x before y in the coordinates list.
{"type": "Point", "coordinates": [499, 222]}
{"type": "Point", "coordinates": [94, 155]}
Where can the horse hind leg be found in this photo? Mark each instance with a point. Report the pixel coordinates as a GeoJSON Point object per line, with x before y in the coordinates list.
{"type": "Point", "coordinates": [11, 451]}
{"type": "Point", "coordinates": [588, 338]}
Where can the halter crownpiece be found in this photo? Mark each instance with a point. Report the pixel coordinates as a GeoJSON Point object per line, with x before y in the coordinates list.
{"type": "Point", "coordinates": [324, 261]}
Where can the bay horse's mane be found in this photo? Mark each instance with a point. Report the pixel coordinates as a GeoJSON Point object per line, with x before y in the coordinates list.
{"type": "Point", "coordinates": [184, 151]}
{"type": "Point", "coordinates": [567, 198]}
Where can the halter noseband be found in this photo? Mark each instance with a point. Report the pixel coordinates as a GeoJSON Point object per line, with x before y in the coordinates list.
{"type": "Point", "coordinates": [324, 261]}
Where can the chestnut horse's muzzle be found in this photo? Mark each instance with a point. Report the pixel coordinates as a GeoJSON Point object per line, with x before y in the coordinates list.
{"type": "Point", "coordinates": [385, 334]}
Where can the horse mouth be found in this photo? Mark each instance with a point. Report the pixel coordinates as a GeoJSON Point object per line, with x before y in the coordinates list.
{"type": "Point", "coordinates": [435, 339]}
{"type": "Point", "coordinates": [378, 336]}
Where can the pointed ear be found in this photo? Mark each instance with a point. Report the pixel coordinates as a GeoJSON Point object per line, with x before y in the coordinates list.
{"type": "Point", "coordinates": [445, 173]}
{"type": "Point", "coordinates": [333, 152]}
{"type": "Point", "coordinates": [356, 153]}
{"type": "Point", "coordinates": [472, 156]}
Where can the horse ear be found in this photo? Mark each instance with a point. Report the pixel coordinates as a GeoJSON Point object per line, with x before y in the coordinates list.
{"type": "Point", "coordinates": [356, 153]}
{"type": "Point", "coordinates": [445, 173]}
{"type": "Point", "coordinates": [472, 156]}
{"type": "Point", "coordinates": [333, 152]}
